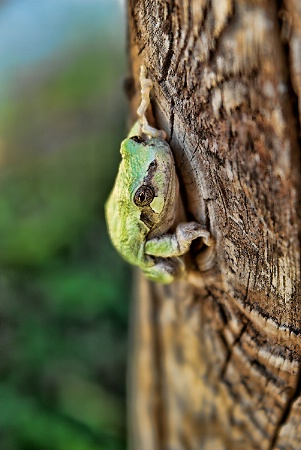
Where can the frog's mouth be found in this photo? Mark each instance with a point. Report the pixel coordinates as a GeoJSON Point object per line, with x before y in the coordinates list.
{"type": "Point", "coordinates": [148, 217]}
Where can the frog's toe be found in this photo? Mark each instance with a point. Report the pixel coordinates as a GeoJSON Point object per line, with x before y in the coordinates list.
{"type": "Point", "coordinates": [166, 270]}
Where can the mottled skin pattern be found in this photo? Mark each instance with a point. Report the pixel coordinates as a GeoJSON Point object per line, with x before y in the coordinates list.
{"type": "Point", "coordinates": [143, 208]}
{"type": "Point", "coordinates": [139, 232]}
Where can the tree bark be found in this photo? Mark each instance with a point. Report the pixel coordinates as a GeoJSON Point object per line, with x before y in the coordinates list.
{"type": "Point", "coordinates": [218, 366]}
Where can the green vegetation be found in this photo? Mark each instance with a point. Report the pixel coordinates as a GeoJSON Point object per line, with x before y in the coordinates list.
{"type": "Point", "coordinates": [65, 292]}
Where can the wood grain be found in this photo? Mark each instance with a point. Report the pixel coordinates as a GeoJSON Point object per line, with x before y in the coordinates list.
{"type": "Point", "coordinates": [219, 366]}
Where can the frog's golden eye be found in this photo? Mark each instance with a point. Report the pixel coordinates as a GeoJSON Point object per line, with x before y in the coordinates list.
{"type": "Point", "coordinates": [144, 195]}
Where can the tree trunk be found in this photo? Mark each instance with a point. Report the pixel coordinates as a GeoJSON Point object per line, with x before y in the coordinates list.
{"type": "Point", "coordinates": [218, 366]}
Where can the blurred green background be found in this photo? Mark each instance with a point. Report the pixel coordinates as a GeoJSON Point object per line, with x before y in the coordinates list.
{"type": "Point", "coordinates": [64, 291]}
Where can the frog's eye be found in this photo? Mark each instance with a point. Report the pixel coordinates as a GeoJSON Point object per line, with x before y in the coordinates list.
{"type": "Point", "coordinates": [144, 195]}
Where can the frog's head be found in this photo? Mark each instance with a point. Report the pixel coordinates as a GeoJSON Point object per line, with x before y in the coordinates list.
{"type": "Point", "coordinates": [151, 180]}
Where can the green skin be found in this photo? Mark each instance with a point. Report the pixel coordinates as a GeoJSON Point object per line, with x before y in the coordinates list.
{"type": "Point", "coordinates": [142, 208]}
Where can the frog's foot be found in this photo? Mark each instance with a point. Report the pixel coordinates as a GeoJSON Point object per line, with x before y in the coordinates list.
{"type": "Point", "coordinates": [177, 243]}
{"type": "Point", "coordinates": [189, 231]}
{"type": "Point", "coordinates": [193, 230]}
{"type": "Point", "coordinates": [166, 270]}
{"type": "Point", "coordinates": [146, 87]}
{"type": "Point", "coordinates": [152, 132]}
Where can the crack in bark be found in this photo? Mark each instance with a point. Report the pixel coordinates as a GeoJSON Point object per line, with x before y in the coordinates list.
{"type": "Point", "coordinates": [230, 350]}
{"type": "Point", "coordinates": [253, 306]}
{"type": "Point", "coordinates": [171, 119]}
{"type": "Point", "coordinates": [286, 412]}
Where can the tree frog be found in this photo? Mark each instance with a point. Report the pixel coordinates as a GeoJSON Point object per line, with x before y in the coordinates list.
{"type": "Point", "coordinates": [142, 211]}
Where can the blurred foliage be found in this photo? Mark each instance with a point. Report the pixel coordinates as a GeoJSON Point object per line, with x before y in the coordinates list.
{"type": "Point", "coordinates": [63, 351]}
{"type": "Point", "coordinates": [64, 291]}
{"type": "Point", "coordinates": [58, 154]}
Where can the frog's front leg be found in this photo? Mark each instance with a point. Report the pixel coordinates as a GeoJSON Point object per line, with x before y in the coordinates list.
{"type": "Point", "coordinates": [167, 248]}
{"type": "Point", "coordinates": [178, 243]}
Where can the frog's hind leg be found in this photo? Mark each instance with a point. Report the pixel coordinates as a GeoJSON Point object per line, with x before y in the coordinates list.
{"type": "Point", "coordinates": [145, 128]}
{"type": "Point", "coordinates": [165, 270]}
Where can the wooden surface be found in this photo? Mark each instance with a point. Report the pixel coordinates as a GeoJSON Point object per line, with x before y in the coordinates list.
{"type": "Point", "coordinates": [218, 367]}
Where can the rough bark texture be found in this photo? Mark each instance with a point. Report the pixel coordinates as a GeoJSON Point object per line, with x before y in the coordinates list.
{"type": "Point", "coordinates": [218, 367]}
